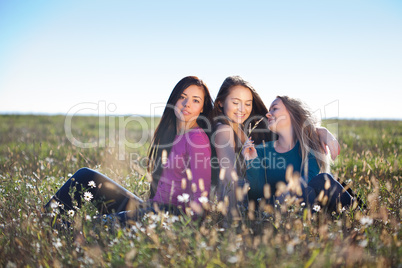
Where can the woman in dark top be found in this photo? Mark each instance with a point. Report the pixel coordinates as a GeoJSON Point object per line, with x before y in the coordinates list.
{"type": "Point", "coordinates": [296, 159]}
{"type": "Point", "coordinates": [239, 113]}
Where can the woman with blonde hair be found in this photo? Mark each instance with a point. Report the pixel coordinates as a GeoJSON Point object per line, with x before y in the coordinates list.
{"type": "Point", "coordinates": [295, 159]}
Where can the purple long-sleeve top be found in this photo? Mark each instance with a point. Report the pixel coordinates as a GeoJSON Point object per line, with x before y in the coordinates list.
{"type": "Point", "coordinates": [190, 151]}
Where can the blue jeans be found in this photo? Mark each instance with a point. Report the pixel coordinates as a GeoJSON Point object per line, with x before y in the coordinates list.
{"type": "Point", "coordinates": [335, 193]}
{"type": "Point", "coordinates": [108, 196]}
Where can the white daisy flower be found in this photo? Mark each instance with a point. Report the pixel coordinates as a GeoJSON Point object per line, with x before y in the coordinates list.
{"type": "Point", "coordinates": [317, 208]}
{"type": "Point", "coordinates": [232, 259]}
{"type": "Point", "coordinates": [54, 204]}
{"type": "Point", "coordinates": [92, 184]}
{"type": "Point", "coordinates": [366, 221]}
{"type": "Point", "coordinates": [343, 209]}
{"type": "Point", "coordinates": [203, 199]}
{"type": "Point", "coordinates": [71, 213]}
{"type": "Point", "coordinates": [88, 196]}
{"type": "Point", "coordinates": [184, 198]}
{"type": "Point", "coordinates": [58, 243]}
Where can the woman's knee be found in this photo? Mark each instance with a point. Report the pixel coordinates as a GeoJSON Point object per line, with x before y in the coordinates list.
{"type": "Point", "coordinates": [82, 171]}
{"type": "Point", "coordinates": [321, 181]}
{"type": "Point", "coordinates": [322, 177]}
{"type": "Point", "coordinates": [83, 175]}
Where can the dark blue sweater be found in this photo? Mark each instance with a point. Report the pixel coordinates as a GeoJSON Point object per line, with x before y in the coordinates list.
{"type": "Point", "coordinates": [270, 168]}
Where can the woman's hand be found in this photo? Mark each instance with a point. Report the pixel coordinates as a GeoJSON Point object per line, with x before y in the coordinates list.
{"type": "Point", "coordinates": [327, 139]}
{"type": "Point", "coordinates": [249, 152]}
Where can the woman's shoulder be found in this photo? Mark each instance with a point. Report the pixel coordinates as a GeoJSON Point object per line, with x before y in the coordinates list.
{"type": "Point", "coordinates": [268, 145]}
{"type": "Point", "coordinates": [222, 127]}
{"type": "Point", "coordinates": [198, 134]}
{"type": "Point", "coordinates": [223, 131]}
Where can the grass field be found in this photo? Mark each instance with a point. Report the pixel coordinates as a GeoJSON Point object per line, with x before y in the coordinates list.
{"type": "Point", "coordinates": [36, 158]}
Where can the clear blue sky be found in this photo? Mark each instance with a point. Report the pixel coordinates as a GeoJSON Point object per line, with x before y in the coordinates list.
{"type": "Point", "coordinates": [57, 54]}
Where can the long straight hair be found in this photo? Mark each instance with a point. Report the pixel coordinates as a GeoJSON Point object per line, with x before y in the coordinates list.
{"type": "Point", "coordinates": [304, 129]}
{"type": "Point", "coordinates": [166, 130]}
{"type": "Point", "coordinates": [260, 133]}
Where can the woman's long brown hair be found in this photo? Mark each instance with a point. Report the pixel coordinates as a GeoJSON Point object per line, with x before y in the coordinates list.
{"type": "Point", "coordinates": [166, 129]}
{"type": "Point", "coordinates": [304, 129]}
{"type": "Point", "coordinates": [258, 112]}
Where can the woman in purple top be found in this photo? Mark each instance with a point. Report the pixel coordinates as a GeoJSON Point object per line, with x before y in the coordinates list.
{"type": "Point", "coordinates": [179, 163]}
{"type": "Point", "coordinates": [186, 172]}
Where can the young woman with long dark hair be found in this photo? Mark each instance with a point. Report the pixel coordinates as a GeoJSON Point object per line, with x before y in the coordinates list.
{"type": "Point", "coordinates": [179, 162]}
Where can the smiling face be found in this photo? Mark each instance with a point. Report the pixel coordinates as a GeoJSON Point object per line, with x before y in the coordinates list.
{"type": "Point", "coordinates": [190, 104]}
{"type": "Point", "coordinates": [278, 117]}
{"type": "Point", "coordinates": [238, 104]}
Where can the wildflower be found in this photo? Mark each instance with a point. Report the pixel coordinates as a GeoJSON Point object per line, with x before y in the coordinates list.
{"type": "Point", "coordinates": [88, 196]}
{"type": "Point", "coordinates": [184, 198]}
{"type": "Point", "coordinates": [343, 209]}
{"type": "Point", "coordinates": [88, 218]}
{"type": "Point", "coordinates": [54, 204]}
{"type": "Point", "coordinates": [363, 243]}
{"type": "Point", "coordinates": [302, 204]}
{"type": "Point", "coordinates": [203, 199]}
{"type": "Point", "coordinates": [165, 226]}
{"type": "Point", "coordinates": [174, 219]}
{"type": "Point", "coordinates": [155, 217]}
{"type": "Point", "coordinates": [92, 184]}
{"type": "Point", "coordinates": [317, 208]}
{"type": "Point", "coordinates": [366, 221]}
{"type": "Point", "coordinates": [71, 213]}
{"type": "Point", "coordinates": [58, 243]}
{"type": "Point", "coordinates": [290, 248]}
{"type": "Point", "coordinates": [233, 259]}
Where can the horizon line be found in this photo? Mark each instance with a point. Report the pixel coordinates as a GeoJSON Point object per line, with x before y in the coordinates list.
{"type": "Point", "coordinates": [143, 115]}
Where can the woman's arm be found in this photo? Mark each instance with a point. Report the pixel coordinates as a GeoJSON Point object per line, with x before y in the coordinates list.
{"type": "Point", "coordinates": [256, 174]}
{"type": "Point", "coordinates": [327, 139]}
{"type": "Point", "coordinates": [225, 151]}
{"type": "Point", "coordinates": [313, 168]}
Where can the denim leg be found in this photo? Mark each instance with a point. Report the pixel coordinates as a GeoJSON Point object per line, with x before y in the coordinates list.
{"type": "Point", "coordinates": [308, 194]}
{"type": "Point", "coordinates": [335, 192]}
{"type": "Point", "coordinates": [108, 196]}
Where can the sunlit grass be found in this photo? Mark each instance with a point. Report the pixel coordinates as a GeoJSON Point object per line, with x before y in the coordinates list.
{"type": "Point", "coordinates": [36, 158]}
